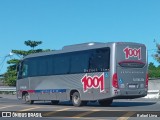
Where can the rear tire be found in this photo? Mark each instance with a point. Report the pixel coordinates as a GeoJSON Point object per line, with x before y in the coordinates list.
{"type": "Point", "coordinates": [27, 100]}
{"type": "Point", "coordinates": [107, 102]}
{"type": "Point", "coordinates": [76, 100]}
{"type": "Point", "coordinates": [54, 102]}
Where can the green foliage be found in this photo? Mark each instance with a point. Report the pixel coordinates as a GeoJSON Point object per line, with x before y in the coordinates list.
{"type": "Point", "coordinates": [13, 61]}
{"type": "Point", "coordinates": [12, 67]}
{"type": "Point", "coordinates": [157, 55]}
{"type": "Point", "coordinates": [20, 53]}
{"type": "Point", "coordinates": [153, 71]}
{"type": "Point", "coordinates": [11, 74]}
{"type": "Point", "coordinates": [32, 44]}
{"type": "Point", "coordinates": [10, 77]}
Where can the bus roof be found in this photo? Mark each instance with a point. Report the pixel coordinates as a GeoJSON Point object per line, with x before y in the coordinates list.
{"type": "Point", "coordinates": [80, 47]}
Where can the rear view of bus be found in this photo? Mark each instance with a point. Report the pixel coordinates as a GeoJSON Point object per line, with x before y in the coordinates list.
{"type": "Point", "coordinates": [130, 78]}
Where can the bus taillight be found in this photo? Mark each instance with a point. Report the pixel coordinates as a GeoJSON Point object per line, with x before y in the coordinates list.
{"type": "Point", "coordinates": [115, 80]}
{"type": "Point", "coordinates": [147, 80]}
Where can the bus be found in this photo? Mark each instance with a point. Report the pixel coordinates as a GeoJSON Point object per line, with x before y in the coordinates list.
{"type": "Point", "coordinates": [84, 72]}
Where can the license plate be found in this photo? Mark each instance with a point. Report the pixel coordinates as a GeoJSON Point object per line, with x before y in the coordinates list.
{"type": "Point", "coordinates": [132, 86]}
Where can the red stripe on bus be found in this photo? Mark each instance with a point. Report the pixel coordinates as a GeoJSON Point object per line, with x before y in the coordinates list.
{"type": "Point", "coordinates": [30, 91]}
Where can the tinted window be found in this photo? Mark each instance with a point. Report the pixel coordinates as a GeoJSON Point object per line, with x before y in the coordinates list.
{"type": "Point", "coordinates": [61, 64]}
{"type": "Point", "coordinates": [97, 60]}
{"type": "Point", "coordinates": [79, 62]}
{"type": "Point", "coordinates": [41, 66]}
{"type": "Point", "coordinates": [23, 70]}
{"type": "Point", "coordinates": [33, 67]}
{"type": "Point", "coordinates": [100, 59]}
{"type": "Point", "coordinates": [50, 65]}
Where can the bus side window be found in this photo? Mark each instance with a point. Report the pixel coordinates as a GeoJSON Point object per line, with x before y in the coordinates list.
{"type": "Point", "coordinates": [61, 64]}
{"type": "Point", "coordinates": [79, 62]}
{"type": "Point", "coordinates": [96, 62]}
{"type": "Point", "coordinates": [100, 60]}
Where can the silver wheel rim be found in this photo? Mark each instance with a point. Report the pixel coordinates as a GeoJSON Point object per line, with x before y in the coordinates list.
{"type": "Point", "coordinates": [27, 98]}
{"type": "Point", "coordinates": [76, 99]}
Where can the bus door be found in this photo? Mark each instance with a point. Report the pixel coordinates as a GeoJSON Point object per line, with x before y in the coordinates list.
{"type": "Point", "coordinates": [22, 84]}
{"type": "Point", "coordinates": [131, 67]}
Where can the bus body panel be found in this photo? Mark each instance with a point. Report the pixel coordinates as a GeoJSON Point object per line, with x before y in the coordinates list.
{"type": "Point", "coordinates": [22, 85]}
{"type": "Point", "coordinates": [50, 87]}
{"type": "Point", "coordinates": [131, 69]}
{"type": "Point", "coordinates": [93, 85]}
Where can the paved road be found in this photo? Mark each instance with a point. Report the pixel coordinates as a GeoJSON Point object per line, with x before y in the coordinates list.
{"type": "Point", "coordinates": [119, 110]}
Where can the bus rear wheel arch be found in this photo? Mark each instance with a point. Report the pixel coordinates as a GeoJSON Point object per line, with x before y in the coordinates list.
{"type": "Point", "coordinates": [76, 99]}
{"type": "Point", "coordinates": [26, 98]}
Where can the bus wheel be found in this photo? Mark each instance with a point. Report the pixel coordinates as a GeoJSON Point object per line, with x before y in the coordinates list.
{"type": "Point", "coordinates": [54, 102]}
{"type": "Point", "coordinates": [27, 99]}
{"type": "Point", "coordinates": [76, 100]}
{"type": "Point", "coordinates": [105, 102]}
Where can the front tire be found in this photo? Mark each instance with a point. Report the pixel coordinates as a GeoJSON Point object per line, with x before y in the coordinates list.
{"type": "Point", "coordinates": [76, 100]}
{"type": "Point", "coordinates": [27, 100]}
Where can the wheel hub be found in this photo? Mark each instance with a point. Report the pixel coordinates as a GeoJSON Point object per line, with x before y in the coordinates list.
{"type": "Point", "coordinates": [76, 99]}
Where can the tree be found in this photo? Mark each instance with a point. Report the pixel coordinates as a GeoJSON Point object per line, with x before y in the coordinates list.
{"type": "Point", "coordinates": [32, 44]}
{"type": "Point", "coordinates": [151, 66]}
{"type": "Point", "coordinates": [11, 74]}
{"type": "Point", "coordinates": [157, 55]}
{"type": "Point", "coordinates": [153, 71]}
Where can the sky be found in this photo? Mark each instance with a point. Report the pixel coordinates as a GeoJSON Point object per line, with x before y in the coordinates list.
{"type": "Point", "coordinates": [64, 22]}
